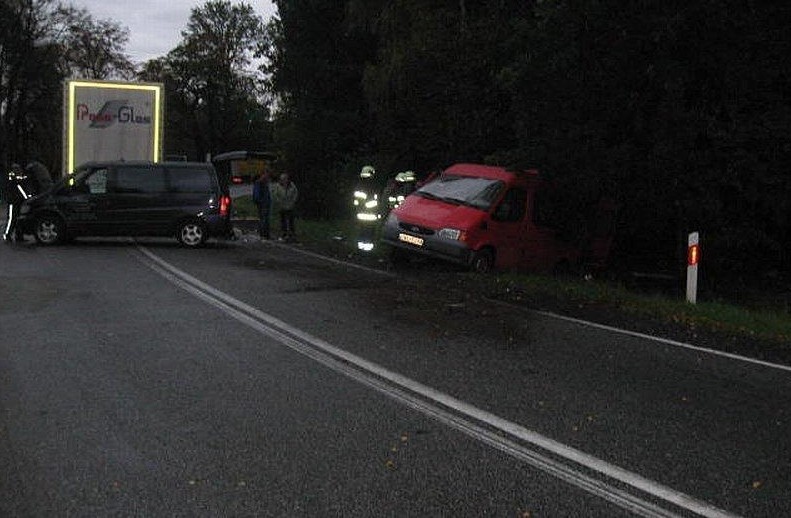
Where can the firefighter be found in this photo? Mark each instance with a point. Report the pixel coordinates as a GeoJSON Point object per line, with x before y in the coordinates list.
{"type": "Point", "coordinates": [366, 208]}
{"type": "Point", "coordinates": [400, 186]}
{"type": "Point", "coordinates": [15, 194]}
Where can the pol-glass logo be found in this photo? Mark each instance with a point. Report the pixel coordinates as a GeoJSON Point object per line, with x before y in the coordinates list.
{"type": "Point", "coordinates": [118, 110]}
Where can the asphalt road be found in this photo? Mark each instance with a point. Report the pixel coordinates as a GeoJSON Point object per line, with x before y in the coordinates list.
{"type": "Point", "coordinates": [251, 379]}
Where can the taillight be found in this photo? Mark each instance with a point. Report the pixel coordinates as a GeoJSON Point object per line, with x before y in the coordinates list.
{"type": "Point", "coordinates": [225, 205]}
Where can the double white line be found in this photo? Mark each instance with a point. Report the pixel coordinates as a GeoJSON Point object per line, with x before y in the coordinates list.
{"type": "Point", "coordinates": [623, 488]}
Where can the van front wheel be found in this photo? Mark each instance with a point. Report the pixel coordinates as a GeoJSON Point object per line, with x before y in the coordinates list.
{"type": "Point", "coordinates": [192, 234]}
{"type": "Point", "coordinates": [49, 230]}
{"type": "Point", "coordinates": [482, 261]}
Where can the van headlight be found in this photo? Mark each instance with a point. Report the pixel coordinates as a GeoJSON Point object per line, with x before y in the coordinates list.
{"type": "Point", "coordinates": [453, 234]}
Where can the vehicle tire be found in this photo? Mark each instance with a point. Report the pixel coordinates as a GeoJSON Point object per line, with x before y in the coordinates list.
{"type": "Point", "coordinates": [192, 233]}
{"type": "Point", "coordinates": [482, 261]}
{"type": "Point", "coordinates": [49, 230]}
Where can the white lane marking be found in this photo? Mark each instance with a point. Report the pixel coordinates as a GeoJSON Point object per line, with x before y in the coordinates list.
{"type": "Point", "coordinates": [665, 341]}
{"type": "Point", "coordinates": [407, 390]}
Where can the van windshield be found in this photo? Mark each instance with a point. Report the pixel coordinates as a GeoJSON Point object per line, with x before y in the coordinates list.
{"type": "Point", "coordinates": [463, 190]}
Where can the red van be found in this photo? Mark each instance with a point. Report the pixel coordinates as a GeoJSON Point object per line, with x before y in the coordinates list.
{"type": "Point", "coordinates": [492, 218]}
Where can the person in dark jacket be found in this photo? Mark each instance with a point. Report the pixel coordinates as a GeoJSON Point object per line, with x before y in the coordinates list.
{"type": "Point", "coordinates": [262, 197]}
{"type": "Point", "coordinates": [38, 177]}
{"type": "Point", "coordinates": [15, 194]}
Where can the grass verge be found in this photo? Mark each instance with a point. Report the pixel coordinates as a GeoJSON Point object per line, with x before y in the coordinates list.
{"type": "Point", "coordinates": [766, 324]}
{"type": "Point", "coordinates": [336, 238]}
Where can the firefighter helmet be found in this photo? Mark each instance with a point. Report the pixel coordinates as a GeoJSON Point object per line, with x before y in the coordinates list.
{"type": "Point", "coordinates": [367, 172]}
{"type": "Point", "coordinates": [406, 177]}
{"type": "Point", "coordinates": [15, 172]}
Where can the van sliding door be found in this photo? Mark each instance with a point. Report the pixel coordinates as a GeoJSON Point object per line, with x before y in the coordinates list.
{"type": "Point", "coordinates": [138, 200]}
{"type": "Point", "coordinates": [507, 228]}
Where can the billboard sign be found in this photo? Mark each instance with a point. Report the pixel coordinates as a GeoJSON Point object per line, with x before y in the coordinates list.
{"type": "Point", "coordinates": [106, 120]}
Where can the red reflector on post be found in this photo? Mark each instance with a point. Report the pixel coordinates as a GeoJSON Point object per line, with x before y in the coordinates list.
{"type": "Point", "coordinates": [693, 255]}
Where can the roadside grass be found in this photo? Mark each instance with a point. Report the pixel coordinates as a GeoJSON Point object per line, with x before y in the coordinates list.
{"type": "Point", "coordinates": [766, 323]}
{"type": "Point", "coordinates": [772, 324]}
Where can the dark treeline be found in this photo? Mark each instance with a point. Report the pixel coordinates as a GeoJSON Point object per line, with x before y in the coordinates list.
{"type": "Point", "coordinates": [680, 110]}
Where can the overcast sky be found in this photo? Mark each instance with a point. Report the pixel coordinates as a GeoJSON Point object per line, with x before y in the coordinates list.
{"type": "Point", "coordinates": [154, 25]}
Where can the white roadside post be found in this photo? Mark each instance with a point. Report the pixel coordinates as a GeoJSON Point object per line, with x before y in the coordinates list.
{"type": "Point", "coordinates": [693, 257]}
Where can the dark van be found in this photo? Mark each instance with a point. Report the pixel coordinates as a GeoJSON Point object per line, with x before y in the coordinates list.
{"type": "Point", "coordinates": [185, 200]}
{"type": "Point", "coordinates": [493, 218]}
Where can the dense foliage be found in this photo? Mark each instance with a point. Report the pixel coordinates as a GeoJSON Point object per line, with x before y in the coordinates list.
{"type": "Point", "coordinates": [679, 110]}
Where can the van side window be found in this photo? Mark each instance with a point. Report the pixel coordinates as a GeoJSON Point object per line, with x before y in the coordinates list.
{"type": "Point", "coordinates": [512, 206]}
{"type": "Point", "coordinates": [96, 182]}
{"type": "Point", "coordinates": [139, 179]}
{"type": "Point", "coordinates": [186, 180]}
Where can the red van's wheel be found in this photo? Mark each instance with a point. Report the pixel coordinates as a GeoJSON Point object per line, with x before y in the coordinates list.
{"type": "Point", "coordinates": [482, 260]}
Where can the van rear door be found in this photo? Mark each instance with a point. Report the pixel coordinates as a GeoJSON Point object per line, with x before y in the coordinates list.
{"type": "Point", "coordinates": [191, 189]}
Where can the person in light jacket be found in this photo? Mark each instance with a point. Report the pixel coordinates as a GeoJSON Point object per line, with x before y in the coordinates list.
{"type": "Point", "coordinates": [284, 197]}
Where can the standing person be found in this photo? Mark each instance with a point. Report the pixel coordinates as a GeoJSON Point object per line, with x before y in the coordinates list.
{"type": "Point", "coordinates": [15, 194]}
{"type": "Point", "coordinates": [262, 197]}
{"type": "Point", "coordinates": [284, 197]}
{"type": "Point", "coordinates": [38, 177]}
{"type": "Point", "coordinates": [398, 188]}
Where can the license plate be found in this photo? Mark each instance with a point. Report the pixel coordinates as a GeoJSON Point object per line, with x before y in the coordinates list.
{"type": "Point", "coordinates": [412, 240]}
